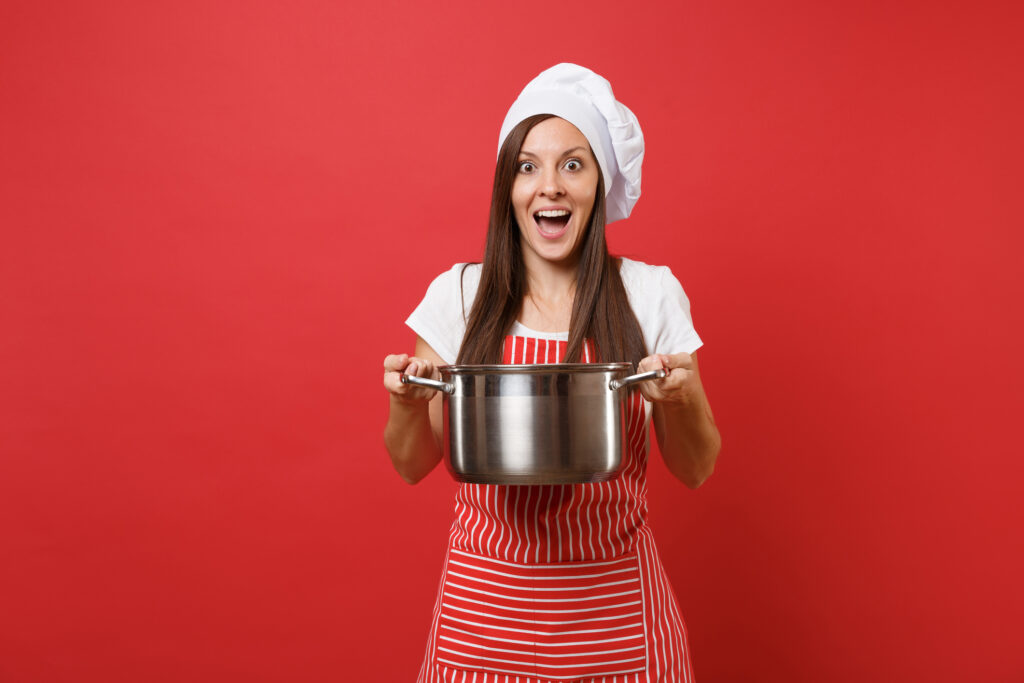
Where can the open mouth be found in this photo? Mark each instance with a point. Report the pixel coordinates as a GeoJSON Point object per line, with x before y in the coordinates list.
{"type": "Point", "coordinates": [552, 222]}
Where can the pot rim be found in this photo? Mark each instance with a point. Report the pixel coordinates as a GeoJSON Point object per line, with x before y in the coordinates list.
{"type": "Point", "coordinates": [536, 368]}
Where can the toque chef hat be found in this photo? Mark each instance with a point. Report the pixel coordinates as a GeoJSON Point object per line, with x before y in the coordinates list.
{"type": "Point", "coordinates": [584, 99]}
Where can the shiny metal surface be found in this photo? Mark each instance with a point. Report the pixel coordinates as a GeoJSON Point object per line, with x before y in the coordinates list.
{"type": "Point", "coordinates": [636, 379]}
{"type": "Point", "coordinates": [534, 424]}
{"type": "Point", "coordinates": [425, 382]}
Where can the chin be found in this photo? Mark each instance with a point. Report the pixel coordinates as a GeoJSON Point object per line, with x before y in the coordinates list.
{"type": "Point", "coordinates": [560, 257]}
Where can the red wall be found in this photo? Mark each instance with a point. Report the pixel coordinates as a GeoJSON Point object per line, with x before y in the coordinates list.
{"type": "Point", "coordinates": [216, 217]}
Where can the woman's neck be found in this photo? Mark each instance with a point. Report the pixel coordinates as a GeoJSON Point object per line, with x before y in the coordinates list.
{"type": "Point", "coordinates": [550, 290]}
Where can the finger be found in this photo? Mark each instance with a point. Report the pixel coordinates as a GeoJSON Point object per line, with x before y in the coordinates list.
{"type": "Point", "coordinates": [678, 360]}
{"type": "Point", "coordinates": [393, 382]}
{"type": "Point", "coordinates": [407, 392]}
{"type": "Point", "coordinates": [673, 381]}
{"type": "Point", "coordinates": [420, 367]}
{"type": "Point", "coordinates": [395, 362]}
{"type": "Point", "coordinates": [661, 362]}
{"type": "Point", "coordinates": [425, 366]}
{"type": "Point", "coordinates": [649, 363]}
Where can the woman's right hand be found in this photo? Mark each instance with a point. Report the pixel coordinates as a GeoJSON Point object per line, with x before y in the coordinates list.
{"type": "Point", "coordinates": [413, 434]}
{"type": "Point", "coordinates": [396, 364]}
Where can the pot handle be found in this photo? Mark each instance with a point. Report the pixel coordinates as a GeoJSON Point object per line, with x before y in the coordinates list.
{"type": "Point", "coordinates": [446, 387]}
{"type": "Point", "coordinates": [617, 384]}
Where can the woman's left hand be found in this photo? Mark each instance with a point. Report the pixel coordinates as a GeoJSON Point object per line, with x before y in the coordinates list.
{"type": "Point", "coordinates": [686, 431]}
{"type": "Point", "coordinates": [680, 386]}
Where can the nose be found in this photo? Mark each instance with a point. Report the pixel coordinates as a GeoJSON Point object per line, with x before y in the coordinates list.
{"type": "Point", "coordinates": [551, 183]}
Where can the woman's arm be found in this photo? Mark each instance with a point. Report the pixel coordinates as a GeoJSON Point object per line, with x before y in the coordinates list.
{"type": "Point", "coordinates": [414, 430]}
{"type": "Point", "coordinates": [683, 423]}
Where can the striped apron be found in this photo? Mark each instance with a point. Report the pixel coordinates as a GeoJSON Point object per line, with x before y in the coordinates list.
{"type": "Point", "coordinates": [559, 583]}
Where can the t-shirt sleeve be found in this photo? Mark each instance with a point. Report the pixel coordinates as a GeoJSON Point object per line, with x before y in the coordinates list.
{"type": "Point", "coordinates": [661, 307]}
{"type": "Point", "coordinates": [674, 332]}
{"type": "Point", "coordinates": [440, 318]}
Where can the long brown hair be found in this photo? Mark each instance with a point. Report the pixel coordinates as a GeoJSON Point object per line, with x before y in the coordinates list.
{"type": "Point", "coordinates": [600, 309]}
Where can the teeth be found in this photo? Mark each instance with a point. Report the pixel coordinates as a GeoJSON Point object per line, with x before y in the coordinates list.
{"type": "Point", "coordinates": [558, 213]}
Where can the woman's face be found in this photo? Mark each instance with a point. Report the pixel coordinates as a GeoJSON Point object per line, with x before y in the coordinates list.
{"type": "Point", "coordinates": [553, 192]}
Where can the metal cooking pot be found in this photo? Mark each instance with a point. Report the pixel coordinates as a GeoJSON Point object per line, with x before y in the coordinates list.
{"type": "Point", "coordinates": [534, 424]}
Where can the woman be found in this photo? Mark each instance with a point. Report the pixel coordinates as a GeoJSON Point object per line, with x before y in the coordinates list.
{"type": "Point", "coordinates": [562, 582]}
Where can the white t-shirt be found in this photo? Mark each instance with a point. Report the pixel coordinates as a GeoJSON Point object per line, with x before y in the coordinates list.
{"type": "Point", "coordinates": [658, 301]}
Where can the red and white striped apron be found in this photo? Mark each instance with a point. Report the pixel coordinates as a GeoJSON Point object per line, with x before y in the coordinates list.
{"type": "Point", "coordinates": [550, 584]}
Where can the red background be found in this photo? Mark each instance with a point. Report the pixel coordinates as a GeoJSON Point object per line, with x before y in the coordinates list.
{"type": "Point", "coordinates": [216, 217]}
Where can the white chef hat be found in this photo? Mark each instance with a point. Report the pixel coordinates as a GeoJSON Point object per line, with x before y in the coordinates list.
{"type": "Point", "coordinates": [584, 99]}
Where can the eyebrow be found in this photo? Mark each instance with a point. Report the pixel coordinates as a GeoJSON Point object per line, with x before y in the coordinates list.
{"type": "Point", "coordinates": [565, 153]}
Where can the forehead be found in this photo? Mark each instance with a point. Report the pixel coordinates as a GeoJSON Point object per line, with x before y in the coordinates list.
{"type": "Point", "coordinates": [554, 136]}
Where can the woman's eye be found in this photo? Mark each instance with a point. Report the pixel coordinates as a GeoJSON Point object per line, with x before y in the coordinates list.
{"type": "Point", "coordinates": [573, 165]}
{"type": "Point", "coordinates": [526, 167]}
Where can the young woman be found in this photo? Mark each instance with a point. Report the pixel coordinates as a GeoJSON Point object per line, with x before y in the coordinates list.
{"type": "Point", "coordinates": [555, 583]}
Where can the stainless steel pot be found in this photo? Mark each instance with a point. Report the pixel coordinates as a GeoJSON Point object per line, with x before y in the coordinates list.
{"type": "Point", "coordinates": [534, 424]}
